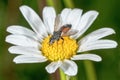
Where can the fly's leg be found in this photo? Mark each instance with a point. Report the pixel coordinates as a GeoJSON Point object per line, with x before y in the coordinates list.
{"type": "Point", "coordinates": [63, 40]}
{"type": "Point", "coordinates": [63, 44]}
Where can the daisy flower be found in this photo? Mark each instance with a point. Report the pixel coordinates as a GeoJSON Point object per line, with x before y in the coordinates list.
{"type": "Point", "coordinates": [37, 45]}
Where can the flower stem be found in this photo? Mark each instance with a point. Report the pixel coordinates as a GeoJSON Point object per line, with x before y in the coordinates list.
{"type": "Point", "coordinates": [90, 72]}
{"type": "Point", "coordinates": [73, 78]}
{"type": "Point", "coordinates": [69, 3]}
{"type": "Point", "coordinates": [50, 3]}
{"type": "Point", "coordinates": [62, 75]}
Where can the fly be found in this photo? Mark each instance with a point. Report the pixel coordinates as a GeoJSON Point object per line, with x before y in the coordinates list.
{"type": "Point", "coordinates": [65, 30]}
{"type": "Point", "coordinates": [61, 32]}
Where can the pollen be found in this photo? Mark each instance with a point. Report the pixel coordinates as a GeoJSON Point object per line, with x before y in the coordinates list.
{"type": "Point", "coordinates": [62, 49]}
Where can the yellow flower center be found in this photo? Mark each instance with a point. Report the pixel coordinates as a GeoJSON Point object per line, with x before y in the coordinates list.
{"type": "Point", "coordinates": [62, 49]}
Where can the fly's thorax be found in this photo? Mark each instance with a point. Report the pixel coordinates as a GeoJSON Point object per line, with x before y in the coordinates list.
{"type": "Point", "coordinates": [56, 36]}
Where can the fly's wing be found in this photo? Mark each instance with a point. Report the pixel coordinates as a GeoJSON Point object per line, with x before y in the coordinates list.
{"type": "Point", "coordinates": [70, 32]}
{"type": "Point", "coordinates": [58, 23]}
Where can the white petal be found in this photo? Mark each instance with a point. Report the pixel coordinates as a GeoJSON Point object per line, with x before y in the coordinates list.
{"type": "Point", "coordinates": [34, 20]}
{"type": "Point", "coordinates": [98, 44]}
{"type": "Point", "coordinates": [74, 18]}
{"type": "Point", "coordinates": [49, 18]}
{"type": "Point", "coordinates": [24, 50]}
{"type": "Point", "coordinates": [64, 14]}
{"type": "Point", "coordinates": [52, 67]}
{"type": "Point", "coordinates": [98, 34]}
{"type": "Point", "coordinates": [22, 41]}
{"type": "Point", "coordinates": [29, 59]}
{"type": "Point", "coordinates": [86, 20]}
{"type": "Point", "coordinates": [92, 57]}
{"type": "Point", "coordinates": [69, 67]}
{"type": "Point", "coordinates": [15, 29]}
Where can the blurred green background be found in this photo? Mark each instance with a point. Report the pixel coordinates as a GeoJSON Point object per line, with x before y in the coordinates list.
{"type": "Point", "coordinates": [107, 69]}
